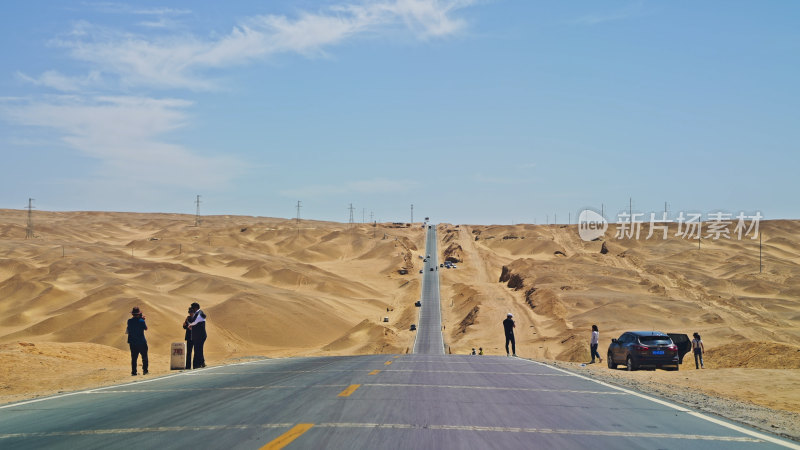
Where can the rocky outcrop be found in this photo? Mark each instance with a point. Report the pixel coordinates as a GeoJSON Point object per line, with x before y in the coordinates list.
{"type": "Point", "coordinates": [453, 253]}
{"type": "Point", "coordinates": [468, 320]}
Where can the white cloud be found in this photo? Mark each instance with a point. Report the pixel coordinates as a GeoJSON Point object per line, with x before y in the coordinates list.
{"type": "Point", "coordinates": [179, 60]}
{"type": "Point", "coordinates": [373, 186]}
{"type": "Point", "coordinates": [54, 79]}
{"type": "Point", "coordinates": [127, 135]}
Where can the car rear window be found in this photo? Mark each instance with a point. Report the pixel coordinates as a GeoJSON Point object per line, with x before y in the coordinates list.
{"type": "Point", "coordinates": [655, 340]}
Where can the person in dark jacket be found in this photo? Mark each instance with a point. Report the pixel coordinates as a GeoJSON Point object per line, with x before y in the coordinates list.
{"type": "Point", "coordinates": [698, 349]}
{"type": "Point", "coordinates": [136, 340]}
{"type": "Point", "coordinates": [187, 336]}
{"type": "Point", "coordinates": [508, 327]}
{"type": "Point", "coordinates": [198, 329]}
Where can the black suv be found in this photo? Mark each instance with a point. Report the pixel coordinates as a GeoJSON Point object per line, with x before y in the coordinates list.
{"type": "Point", "coordinates": [643, 348]}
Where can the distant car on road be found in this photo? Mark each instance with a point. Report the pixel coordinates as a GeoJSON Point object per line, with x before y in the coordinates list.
{"type": "Point", "coordinates": [413, 327]}
{"type": "Point", "coordinates": [441, 265]}
{"type": "Point", "coordinates": [638, 349]}
{"type": "Point", "coordinates": [425, 260]}
{"type": "Point", "coordinates": [420, 270]}
{"type": "Point", "coordinates": [431, 269]}
{"type": "Point", "coordinates": [418, 303]}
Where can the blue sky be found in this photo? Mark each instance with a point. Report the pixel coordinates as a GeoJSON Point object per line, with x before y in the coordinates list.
{"type": "Point", "coordinates": [475, 111]}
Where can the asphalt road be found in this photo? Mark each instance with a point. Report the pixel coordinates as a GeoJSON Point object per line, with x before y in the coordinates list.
{"type": "Point", "coordinates": [371, 402]}
{"type": "Point", "coordinates": [425, 400]}
{"type": "Point", "coordinates": [429, 329]}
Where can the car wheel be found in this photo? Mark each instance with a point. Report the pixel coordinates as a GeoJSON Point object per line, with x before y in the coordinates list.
{"type": "Point", "coordinates": [629, 365]}
{"type": "Point", "coordinates": [611, 363]}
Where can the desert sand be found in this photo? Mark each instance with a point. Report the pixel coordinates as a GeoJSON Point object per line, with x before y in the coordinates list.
{"type": "Point", "coordinates": [270, 287]}
{"type": "Point", "coordinates": [558, 285]}
{"type": "Point", "coordinates": [275, 287]}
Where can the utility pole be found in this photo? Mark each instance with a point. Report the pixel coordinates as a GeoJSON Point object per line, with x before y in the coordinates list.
{"type": "Point", "coordinates": [412, 213]}
{"type": "Point", "coordinates": [363, 215]}
{"type": "Point", "coordinates": [760, 267]}
{"type": "Point", "coordinates": [665, 211]}
{"type": "Point", "coordinates": [298, 212]}
{"type": "Point", "coordinates": [29, 228]}
{"type": "Point", "coordinates": [197, 214]}
{"type": "Point", "coordinates": [352, 222]}
{"type": "Point", "coordinates": [569, 218]}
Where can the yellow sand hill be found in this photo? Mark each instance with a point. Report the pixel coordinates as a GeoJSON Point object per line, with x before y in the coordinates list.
{"type": "Point", "coordinates": [269, 286]}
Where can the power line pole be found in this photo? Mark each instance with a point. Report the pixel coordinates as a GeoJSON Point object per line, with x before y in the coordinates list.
{"type": "Point", "coordinates": [412, 213]}
{"type": "Point", "coordinates": [298, 213]}
{"type": "Point", "coordinates": [352, 222]}
{"type": "Point", "coordinates": [760, 266]}
{"type": "Point", "coordinates": [29, 228]}
{"type": "Point", "coordinates": [363, 215]}
{"type": "Point", "coordinates": [197, 214]}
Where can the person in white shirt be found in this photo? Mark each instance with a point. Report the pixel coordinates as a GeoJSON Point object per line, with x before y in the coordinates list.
{"type": "Point", "coordinates": [594, 342]}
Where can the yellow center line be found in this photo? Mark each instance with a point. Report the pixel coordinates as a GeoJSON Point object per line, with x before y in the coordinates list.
{"type": "Point", "coordinates": [350, 389]}
{"type": "Point", "coordinates": [374, 372]}
{"type": "Point", "coordinates": [396, 356]}
{"type": "Point", "coordinates": [387, 363]}
{"type": "Point", "coordinates": [286, 438]}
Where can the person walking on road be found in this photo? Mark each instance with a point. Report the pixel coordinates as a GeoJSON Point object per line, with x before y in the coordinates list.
{"type": "Point", "coordinates": [594, 342]}
{"type": "Point", "coordinates": [198, 329]}
{"type": "Point", "coordinates": [480, 351]}
{"type": "Point", "coordinates": [508, 327]}
{"type": "Point", "coordinates": [136, 340]}
{"type": "Point", "coordinates": [698, 349]}
{"type": "Point", "coordinates": [188, 337]}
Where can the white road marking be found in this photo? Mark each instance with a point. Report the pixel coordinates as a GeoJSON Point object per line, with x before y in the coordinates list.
{"type": "Point", "coordinates": [539, 431]}
{"type": "Point", "coordinates": [493, 388]}
{"type": "Point", "coordinates": [394, 426]}
{"type": "Point", "coordinates": [149, 380]}
{"type": "Point", "coordinates": [755, 434]}
{"type": "Point", "coordinates": [142, 430]}
{"type": "Point", "coordinates": [228, 388]}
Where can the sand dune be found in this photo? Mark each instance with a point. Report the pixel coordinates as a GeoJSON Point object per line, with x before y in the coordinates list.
{"type": "Point", "coordinates": [270, 287]}
{"type": "Point", "coordinates": [561, 285]}
{"type": "Point", "coordinates": [275, 288]}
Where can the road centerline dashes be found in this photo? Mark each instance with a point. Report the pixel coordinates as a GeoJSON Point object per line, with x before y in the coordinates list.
{"type": "Point", "coordinates": [349, 390]}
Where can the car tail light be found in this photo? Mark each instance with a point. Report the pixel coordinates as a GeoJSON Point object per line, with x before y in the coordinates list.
{"type": "Point", "coordinates": [641, 348]}
{"type": "Point", "coordinates": [673, 347]}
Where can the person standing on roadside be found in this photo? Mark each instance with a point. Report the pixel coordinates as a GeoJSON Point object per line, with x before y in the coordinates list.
{"type": "Point", "coordinates": [136, 340]}
{"type": "Point", "coordinates": [698, 349]}
{"type": "Point", "coordinates": [198, 329]}
{"type": "Point", "coordinates": [508, 327]}
{"type": "Point", "coordinates": [594, 342]}
{"type": "Point", "coordinates": [188, 337]}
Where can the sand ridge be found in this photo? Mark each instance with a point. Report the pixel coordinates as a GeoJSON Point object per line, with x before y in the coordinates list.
{"type": "Point", "coordinates": [271, 287]}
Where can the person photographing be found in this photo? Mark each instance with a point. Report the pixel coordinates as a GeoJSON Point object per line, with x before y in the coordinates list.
{"type": "Point", "coordinates": [508, 327]}
{"type": "Point", "coordinates": [136, 340]}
